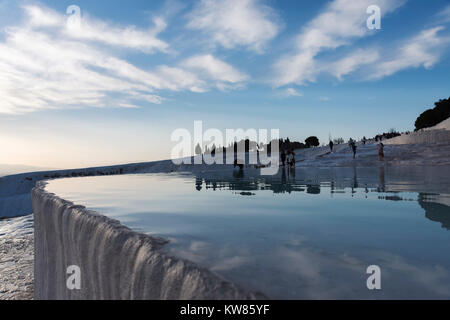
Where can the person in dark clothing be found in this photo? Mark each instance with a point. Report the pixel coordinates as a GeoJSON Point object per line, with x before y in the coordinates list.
{"type": "Point", "coordinates": [283, 158]}
{"type": "Point", "coordinates": [354, 149]}
{"type": "Point", "coordinates": [331, 144]}
{"type": "Point", "coordinates": [291, 158]}
{"type": "Point", "coordinates": [380, 147]}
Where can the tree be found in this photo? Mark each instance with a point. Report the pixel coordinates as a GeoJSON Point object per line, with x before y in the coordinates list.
{"type": "Point", "coordinates": [312, 142]}
{"type": "Point", "coordinates": [338, 141]}
{"type": "Point", "coordinates": [432, 117]}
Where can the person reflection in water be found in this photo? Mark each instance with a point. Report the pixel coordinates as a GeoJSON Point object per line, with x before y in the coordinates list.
{"type": "Point", "coordinates": [238, 171]}
{"type": "Point", "coordinates": [283, 158]}
{"type": "Point", "coordinates": [381, 182]}
{"type": "Point", "coordinates": [291, 172]}
{"type": "Point", "coordinates": [198, 184]}
{"type": "Point", "coordinates": [355, 181]}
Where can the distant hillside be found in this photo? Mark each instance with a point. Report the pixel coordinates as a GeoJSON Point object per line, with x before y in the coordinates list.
{"type": "Point", "coordinates": [7, 169]}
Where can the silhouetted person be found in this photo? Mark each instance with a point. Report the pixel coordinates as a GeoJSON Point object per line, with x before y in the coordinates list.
{"type": "Point", "coordinates": [350, 143]}
{"type": "Point", "coordinates": [283, 158]}
{"type": "Point", "coordinates": [364, 140]}
{"type": "Point", "coordinates": [291, 158]}
{"type": "Point", "coordinates": [257, 154]}
{"type": "Point", "coordinates": [353, 145]}
{"type": "Point", "coordinates": [331, 144]}
{"type": "Point", "coordinates": [380, 147]}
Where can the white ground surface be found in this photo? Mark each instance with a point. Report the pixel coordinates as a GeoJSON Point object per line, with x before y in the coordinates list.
{"type": "Point", "coordinates": [16, 258]}
{"type": "Point", "coordinates": [443, 125]}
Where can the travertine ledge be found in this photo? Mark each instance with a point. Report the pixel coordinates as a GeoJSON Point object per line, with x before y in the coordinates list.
{"type": "Point", "coordinates": [115, 261]}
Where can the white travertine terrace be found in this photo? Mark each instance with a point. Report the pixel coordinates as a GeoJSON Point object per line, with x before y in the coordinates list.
{"type": "Point", "coordinates": [115, 261]}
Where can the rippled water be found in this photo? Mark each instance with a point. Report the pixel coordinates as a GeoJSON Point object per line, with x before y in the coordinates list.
{"type": "Point", "coordinates": [305, 234]}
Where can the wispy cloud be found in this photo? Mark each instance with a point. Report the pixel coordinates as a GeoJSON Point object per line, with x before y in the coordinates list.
{"type": "Point", "coordinates": [324, 99]}
{"type": "Point", "coordinates": [291, 92]}
{"type": "Point", "coordinates": [423, 50]}
{"type": "Point", "coordinates": [352, 62]}
{"type": "Point", "coordinates": [215, 69]}
{"type": "Point", "coordinates": [341, 22]}
{"type": "Point", "coordinates": [235, 23]}
{"type": "Point", "coordinates": [96, 30]}
{"type": "Point", "coordinates": [45, 65]}
{"type": "Point", "coordinates": [445, 14]}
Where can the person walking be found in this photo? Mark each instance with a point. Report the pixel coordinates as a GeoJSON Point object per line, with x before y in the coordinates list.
{"type": "Point", "coordinates": [331, 144]}
{"type": "Point", "coordinates": [350, 143]}
{"type": "Point", "coordinates": [354, 149]}
{"type": "Point", "coordinates": [291, 158]}
{"type": "Point", "coordinates": [364, 140]}
{"type": "Point", "coordinates": [380, 147]}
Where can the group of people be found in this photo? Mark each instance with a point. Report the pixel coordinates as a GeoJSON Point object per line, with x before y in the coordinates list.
{"type": "Point", "coordinates": [380, 147]}
{"type": "Point", "coordinates": [353, 146]}
{"type": "Point", "coordinates": [351, 143]}
{"type": "Point", "coordinates": [288, 157]}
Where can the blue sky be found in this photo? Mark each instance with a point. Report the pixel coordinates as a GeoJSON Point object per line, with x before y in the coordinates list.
{"type": "Point", "coordinates": [113, 88]}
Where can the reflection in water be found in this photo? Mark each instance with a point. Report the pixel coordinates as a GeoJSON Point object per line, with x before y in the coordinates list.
{"type": "Point", "coordinates": [308, 235]}
{"type": "Point", "coordinates": [285, 182]}
{"type": "Point", "coordinates": [381, 180]}
{"type": "Point", "coordinates": [436, 206]}
{"type": "Point", "coordinates": [198, 184]}
{"type": "Point", "coordinates": [238, 172]}
{"type": "Point", "coordinates": [436, 211]}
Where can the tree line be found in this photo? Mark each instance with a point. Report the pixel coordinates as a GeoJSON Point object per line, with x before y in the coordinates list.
{"type": "Point", "coordinates": [252, 146]}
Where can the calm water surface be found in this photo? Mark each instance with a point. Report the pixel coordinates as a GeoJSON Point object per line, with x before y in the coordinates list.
{"type": "Point", "coordinates": [307, 234]}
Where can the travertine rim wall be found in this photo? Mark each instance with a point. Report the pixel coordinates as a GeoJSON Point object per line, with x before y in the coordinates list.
{"type": "Point", "coordinates": [115, 261]}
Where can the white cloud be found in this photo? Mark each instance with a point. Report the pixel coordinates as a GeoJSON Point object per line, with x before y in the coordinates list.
{"type": "Point", "coordinates": [423, 49]}
{"type": "Point", "coordinates": [291, 92]}
{"type": "Point", "coordinates": [215, 70]}
{"type": "Point", "coordinates": [235, 23]}
{"type": "Point", "coordinates": [43, 67]}
{"type": "Point", "coordinates": [339, 24]}
{"type": "Point", "coordinates": [96, 30]}
{"type": "Point", "coordinates": [353, 61]}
